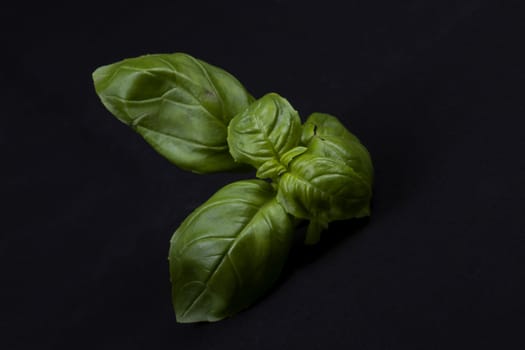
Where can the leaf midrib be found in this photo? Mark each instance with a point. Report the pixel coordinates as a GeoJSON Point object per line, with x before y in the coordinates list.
{"type": "Point", "coordinates": [221, 261]}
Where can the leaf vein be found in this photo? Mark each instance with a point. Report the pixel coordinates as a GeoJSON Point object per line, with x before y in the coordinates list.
{"type": "Point", "coordinates": [208, 78]}
{"type": "Point", "coordinates": [184, 140]}
{"type": "Point", "coordinates": [218, 265]}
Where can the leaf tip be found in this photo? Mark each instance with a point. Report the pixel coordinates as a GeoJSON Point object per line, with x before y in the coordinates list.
{"type": "Point", "coordinates": [100, 76]}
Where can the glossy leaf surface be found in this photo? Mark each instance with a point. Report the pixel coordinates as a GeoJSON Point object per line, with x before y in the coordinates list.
{"type": "Point", "coordinates": [331, 181]}
{"type": "Point", "coordinates": [325, 135]}
{"type": "Point", "coordinates": [179, 104]}
{"type": "Point", "coordinates": [261, 134]}
{"type": "Point", "coordinates": [323, 189]}
{"type": "Point", "coordinates": [323, 124]}
{"type": "Point", "coordinates": [228, 252]}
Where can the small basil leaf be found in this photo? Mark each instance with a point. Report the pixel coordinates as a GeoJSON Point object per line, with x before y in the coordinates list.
{"type": "Point", "coordinates": [273, 168]}
{"type": "Point", "coordinates": [264, 131]}
{"type": "Point", "coordinates": [270, 169]}
{"type": "Point", "coordinates": [180, 105]}
{"type": "Point", "coordinates": [323, 189]}
{"type": "Point", "coordinates": [331, 181]}
{"type": "Point", "coordinates": [326, 136]}
{"type": "Point", "coordinates": [323, 124]}
{"type": "Point", "coordinates": [228, 252]}
{"type": "Point", "coordinates": [291, 154]}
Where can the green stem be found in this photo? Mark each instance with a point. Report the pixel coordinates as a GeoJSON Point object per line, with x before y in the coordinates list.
{"type": "Point", "coordinates": [313, 232]}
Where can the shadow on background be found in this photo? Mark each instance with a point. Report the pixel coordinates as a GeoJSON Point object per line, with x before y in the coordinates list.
{"type": "Point", "coordinates": [302, 255]}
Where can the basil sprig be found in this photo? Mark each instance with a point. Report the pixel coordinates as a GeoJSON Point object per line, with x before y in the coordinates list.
{"type": "Point", "coordinates": [230, 250]}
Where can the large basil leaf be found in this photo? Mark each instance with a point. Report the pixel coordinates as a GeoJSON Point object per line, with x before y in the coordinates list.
{"type": "Point", "coordinates": [331, 181]}
{"type": "Point", "coordinates": [179, 104]}
{"type": "Point", "coordinates": [261, 134]}
{"type": "Point", "coordinates": [228, 252]}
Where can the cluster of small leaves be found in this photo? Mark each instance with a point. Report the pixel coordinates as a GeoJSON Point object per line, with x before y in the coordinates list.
{"type": "Point", "coordinates": [230, 250]}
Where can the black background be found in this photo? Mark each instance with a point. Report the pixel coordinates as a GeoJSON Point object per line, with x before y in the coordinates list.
{"type": "Point", "coordinates": [434, 89]}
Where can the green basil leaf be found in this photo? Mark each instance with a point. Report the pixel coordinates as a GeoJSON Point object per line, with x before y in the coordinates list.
{"type": "Point", "coordinates": [331, 181]}
{"type": "Point", "coordinates": [270, 169]}
{"type": "Point", "coordinates": [263, 132]}
{"type": "Point", "coordinates": [291, 154]}
{"type": "Point", "coordinates": [326, 136]}
{"type": "Point", "coordinates": [323, 124]}
{"type": "Point", "coordinates": [228, 252]}
{"type": "Point", "coordinates": [323, 189]}
{"type": "Point", "coordinates": [179, 104]}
